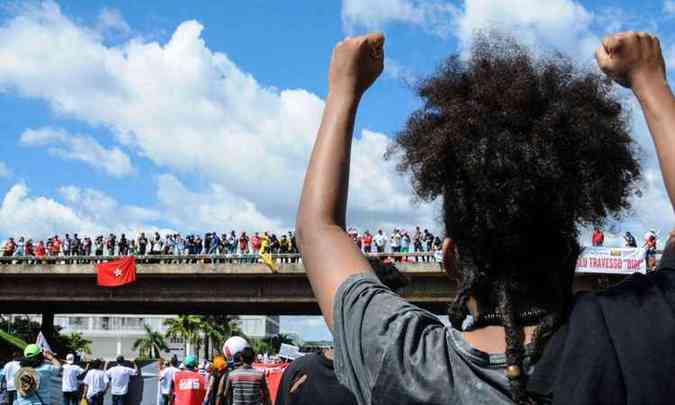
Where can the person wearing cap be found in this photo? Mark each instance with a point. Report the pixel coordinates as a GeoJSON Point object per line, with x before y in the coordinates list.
{"type": "Point", "coordinates": [34, 358]}
{"type": "Point", "coordinates": [217, 375]}
{"type": "Point", "coordinates": [119, 380]}
{"type": "Point", "coordinates": [189, 386]}
{"type": "Point", "coordinates": [9, 371]}
{"type": "Point", "coordinates": [70, 385]}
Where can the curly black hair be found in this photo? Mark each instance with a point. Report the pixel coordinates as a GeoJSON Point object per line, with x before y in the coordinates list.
{"type": "Point", "coordinates": [523, 150]}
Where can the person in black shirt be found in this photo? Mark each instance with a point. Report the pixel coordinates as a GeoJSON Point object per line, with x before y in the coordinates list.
{"type": "Point", "coordinates": [310, 377]}
{"type": "Point", "coordinates": [630, 240]}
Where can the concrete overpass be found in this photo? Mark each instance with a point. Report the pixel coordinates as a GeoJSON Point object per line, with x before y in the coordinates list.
{"type": "Point", "coordinates": [167, 287]}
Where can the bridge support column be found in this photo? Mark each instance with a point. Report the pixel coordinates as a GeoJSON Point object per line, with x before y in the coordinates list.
{"type": "Point", "coordinates": [47, 327]}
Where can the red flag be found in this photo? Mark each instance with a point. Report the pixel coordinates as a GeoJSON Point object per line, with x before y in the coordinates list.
{"type": "Point", "coordinates": [117, 273]}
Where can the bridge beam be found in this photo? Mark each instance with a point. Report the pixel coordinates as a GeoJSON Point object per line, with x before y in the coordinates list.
{"type": "Point", "coordinates": [198, 288]}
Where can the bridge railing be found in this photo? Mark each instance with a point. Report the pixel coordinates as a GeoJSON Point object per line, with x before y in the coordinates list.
{"type": "Point", "coordinates": [416, 257]}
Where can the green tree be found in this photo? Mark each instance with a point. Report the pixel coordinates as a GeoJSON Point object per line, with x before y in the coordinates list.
{"type": "Point", "coordinates": [215, 329]}
{"type": "Point", "coordinates": [272, 344]}
{"type": "Point", "coordinates": [150, 346]}
{"type": "Point", "coordinates": [185, 327]}
{"type": "Point", "coordinates": [78, 343]}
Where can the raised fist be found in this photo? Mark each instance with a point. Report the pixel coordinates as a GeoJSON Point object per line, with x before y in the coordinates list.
{"type": "Point", "coordinates": [356, 63]}
{"type": "Point", "coordinates": [630, 58]}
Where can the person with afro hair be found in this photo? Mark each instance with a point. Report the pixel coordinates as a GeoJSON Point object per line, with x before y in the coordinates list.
{"type": "Point", "coordinates": [522, 150]}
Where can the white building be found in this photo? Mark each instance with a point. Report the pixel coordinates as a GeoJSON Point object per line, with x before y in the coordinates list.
{"type": "Point", "coordinates": [114, 335]}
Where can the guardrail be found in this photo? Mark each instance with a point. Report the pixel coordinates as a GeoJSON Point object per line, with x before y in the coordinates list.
{"type": "Point", "coordinates": [411, 257]}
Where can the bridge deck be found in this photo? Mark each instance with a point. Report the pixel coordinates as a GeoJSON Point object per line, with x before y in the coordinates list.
{"type": "Point", "coordinates": [167, 287]}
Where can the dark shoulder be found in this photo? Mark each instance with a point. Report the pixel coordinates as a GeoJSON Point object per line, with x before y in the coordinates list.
{"type": "Point", "coordinates": [662, 280]}
{"type": "Point", "coordinates": [308, 361]}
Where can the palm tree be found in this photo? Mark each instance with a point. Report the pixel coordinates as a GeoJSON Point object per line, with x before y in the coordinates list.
{"type": "Point", "coordinates": [272, 344]}
{"type": "Point", "coordinates": [151, 344]}
{"type": "Point", "coordinates": [78, 343]}
{"type": "Point", "coordinates": [215, 329]}
{"type": "Point", "coordinates": [185, 327]}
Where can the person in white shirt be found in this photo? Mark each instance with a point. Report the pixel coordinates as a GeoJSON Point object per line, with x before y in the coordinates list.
{"type": "Point", "coordinates": [95, 384]}
{"type": "Point", "coordinates": [70, 384]}
{"type": "Point", "coordinates": [9, 371]}
{"type": "Point", "coordinates": [119, 380]}
{"type": "Point", "coordinates": [166, 375]}
{"type": "Point", "coordinates": [380, 241]}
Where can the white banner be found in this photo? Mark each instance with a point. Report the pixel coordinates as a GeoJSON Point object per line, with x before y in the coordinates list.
{"type": "Point", "coordinates": [290, 352]}
{"type": "Point", "coordinates": [42, 342]}
{"type": "Point", "coordinates": [606, 260]}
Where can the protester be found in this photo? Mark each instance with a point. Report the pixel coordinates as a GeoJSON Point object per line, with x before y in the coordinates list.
{"type": "Point", "coordinates": [95, 383]}
{"type": "Point", "coordinates": [217, 376]}
{"type": "Point", "coordinates": [629, 240]}
{"type": "Point", "coordinates": [514, 191]}
{"type": "Point", "coordinates": [650, 250]}
{"type": "Point", "coordinates": [35, 376]}
{"type": "Point", "coordinates": [189, 386]}
{"type": "Point", "coordinates": [380, 241]}
{"type": "Point", "coordinates": [4, 397]}
{"type": "Point", "coordinates": [119, 376]}
{"type": "Point", "coordinates": [71, 373]}
{"type": "Point", "coordinates": [246, 385]}
{"type": "Point", "coordinates": [310, 377]}
{"type": "Point", "coordinates": [9, 372]}
{"type": "Point", "coordinates": [598, 237]}
{"type": "Point", "coordinates": [167, 371]}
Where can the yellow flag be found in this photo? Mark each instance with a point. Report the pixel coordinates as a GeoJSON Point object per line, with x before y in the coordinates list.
{"type": "Point", "coordinates": [268, 261]}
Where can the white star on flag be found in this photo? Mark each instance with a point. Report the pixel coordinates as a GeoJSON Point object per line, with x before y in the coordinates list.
{"type": "Point", "coordinates": [117, 272]}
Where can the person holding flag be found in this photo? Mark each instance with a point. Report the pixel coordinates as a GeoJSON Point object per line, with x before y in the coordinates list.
{"type": "Point", "coordinates": [266, 253]}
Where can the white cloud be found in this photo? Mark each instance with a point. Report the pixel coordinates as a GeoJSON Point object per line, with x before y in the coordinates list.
{"type": "Point", "coordinates": [84, 211]}
{"type": "Point", "coordinates": [564, 25]}
{"type": "Point", "coordinates": [397, 71]}
{"type": "Point", "coordinates": [79, 147]}
{"type": "Point", "coordinates": [190, 110]}
{"type": "Point", "coordinates": [4, 170]}
{"type": "Point", "coordinates": [433, 16]}
{"type": "Point", "coordinates": [210, 210]}
{"type": "Point", "coordinates": [111, 19]}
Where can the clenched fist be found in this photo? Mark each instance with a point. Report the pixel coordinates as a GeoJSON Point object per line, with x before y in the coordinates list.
{"type": "Point", "coordinates": [631, 58]}
{"type": "Point", "coordinates": [356, 64]}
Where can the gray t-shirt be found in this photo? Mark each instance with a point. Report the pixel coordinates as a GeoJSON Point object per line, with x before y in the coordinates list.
{"type": "Point", "coordinates": [389, 351]}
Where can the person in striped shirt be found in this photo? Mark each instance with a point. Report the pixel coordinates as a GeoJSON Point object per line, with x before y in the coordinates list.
{"type": "Point", "coordinates": [246, 385]}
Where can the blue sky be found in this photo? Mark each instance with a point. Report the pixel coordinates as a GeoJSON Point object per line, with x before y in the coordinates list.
{"type": "Point", "coordinates": [199, 116]}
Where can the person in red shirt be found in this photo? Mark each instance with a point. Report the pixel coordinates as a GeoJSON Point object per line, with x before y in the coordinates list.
{"type": "Point", "coordinates": [367, 242]}
{"type": "Point", "coordinates": [56, 246]}
{"type": "Point", "coordinates": [256, 243]}
{"type": "Point", "coordinates": [598, 237]}
{"type": "Point", "coordinates": [188, 387]}
{"type": "Point", "coordinates": [40, 250]}
{"type": "Point", "coordinates": [243, 244]}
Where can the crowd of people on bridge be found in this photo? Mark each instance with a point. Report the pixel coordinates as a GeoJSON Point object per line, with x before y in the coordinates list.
{"type": "Point", "coordinates": [212, 244]}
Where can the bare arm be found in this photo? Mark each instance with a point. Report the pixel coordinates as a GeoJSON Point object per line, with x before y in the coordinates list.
{"type": "Point", "coordinates": [55, 362]}
{"type": "Point", "coordinates": [635, 60]}
{"type": "Point", "coordinates": [266, 393]}
{"type": "Point", "coordinates": [221, 391]}
{"type": "Point", "coordinates": [329, 254]}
